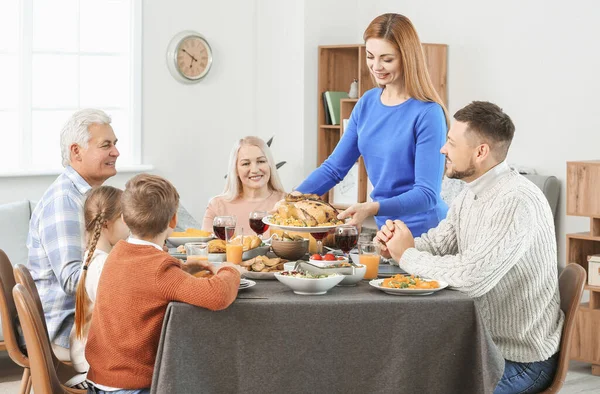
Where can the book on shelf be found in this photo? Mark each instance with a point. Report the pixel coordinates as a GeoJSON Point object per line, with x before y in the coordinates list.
{"type": "Point", "coordinates": [333, 103]}
{"type": "Point", "coordinates": [326, 108]}
{"type": "Point", "coordinates": [345, 124]}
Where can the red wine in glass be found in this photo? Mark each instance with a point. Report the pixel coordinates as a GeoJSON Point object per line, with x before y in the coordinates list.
{"type": "Point", "coordinates": [220, 232]}
{"type": "Point", "coordinates": [319, 237]}
{"type": "Point", "coordinates": [258, 226]}
{"type": "Point", "coordinates": [346, 242]}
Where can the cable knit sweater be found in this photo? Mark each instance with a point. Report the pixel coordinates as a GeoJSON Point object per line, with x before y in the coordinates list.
{"type": "Point", "coordinates": [136, 285]}
{"type": "Point", "coordinates": [497, 245]}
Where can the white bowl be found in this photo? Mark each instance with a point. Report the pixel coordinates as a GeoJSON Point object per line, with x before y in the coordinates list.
{"type": "Point", "coordinates": [349, 280]}
{"type": "Point", "coordinates": [325, 263]}
{"type": "Point", "coordinates": [352, 280]}
{"type": "Point", "coordinates": [309, 286]}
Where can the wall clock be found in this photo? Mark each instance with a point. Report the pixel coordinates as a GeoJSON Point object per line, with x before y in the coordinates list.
{"type": "Point", "coordinates": [189, 57]}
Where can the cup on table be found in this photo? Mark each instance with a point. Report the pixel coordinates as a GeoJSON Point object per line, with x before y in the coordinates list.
{"type": "Point", "coordinates": [234, 248]}
{"type": "Point", "coordinates": [196, 251]}
{"type": "Point", "coordinates": [368, 255]}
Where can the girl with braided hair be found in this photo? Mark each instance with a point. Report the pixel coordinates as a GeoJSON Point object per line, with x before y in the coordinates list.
{"type": "Point", "coordinates": [104, 227]}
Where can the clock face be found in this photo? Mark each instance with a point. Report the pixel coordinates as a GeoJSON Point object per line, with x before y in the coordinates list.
{"type": "Point", "coordinates": [193, 57]}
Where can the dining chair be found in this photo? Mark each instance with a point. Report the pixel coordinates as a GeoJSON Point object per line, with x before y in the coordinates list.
{"type": "Point", "coordinates": [43, 371]}
{"type": "Point", "coordinates": [9, 317]}
{"type": "Point", "coordinates": [570, 284]}
{"type": "Point", "coordinates": [23, 276]}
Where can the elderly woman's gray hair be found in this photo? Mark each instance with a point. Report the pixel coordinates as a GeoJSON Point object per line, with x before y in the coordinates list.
{"type": "Point", "coordinates": [76, 131]}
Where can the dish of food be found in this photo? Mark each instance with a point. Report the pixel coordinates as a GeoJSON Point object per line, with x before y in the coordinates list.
{"type": "Point", "coordinates": [304, 213]}
{"type": "Point", "coordinates": [189, 235]}
{"type": "Point", "coordinates": [262, 267]}
{"type": "Point", "coordinates": [249, 242]}
{"type": "Point", "coordinates": [305, 283]}
{"type": "Point", "coordinates": [318, 229]}
{"type": "Point", "coordinates": [408, 285]}
{"type": "Point", "coordinates": [328, 260]}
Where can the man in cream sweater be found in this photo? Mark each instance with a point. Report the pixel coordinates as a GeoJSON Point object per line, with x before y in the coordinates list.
{"type": "Point", "coordinates": [497, 245]}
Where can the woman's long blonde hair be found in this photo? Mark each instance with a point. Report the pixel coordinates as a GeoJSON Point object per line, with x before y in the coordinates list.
{"type": "Point", "coordinates": [102, 205]}
{"type": "Point", "coordinates": [400, 32]}
{"type": "Point", "coordinates": [233, 186]}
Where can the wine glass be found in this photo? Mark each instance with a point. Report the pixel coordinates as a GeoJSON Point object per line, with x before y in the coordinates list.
{"type": "Point", "coordinates": [222, 224]}
{"type": "Point", "coordinates": [346, 237]}
{"type": "Point", "coordinates": [319, 238]}
{"type": "Point", "coordinates": [256, 222]}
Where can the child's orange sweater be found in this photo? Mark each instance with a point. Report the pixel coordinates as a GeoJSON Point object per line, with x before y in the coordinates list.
{"type": "Point", "coordinates": [136, 285]}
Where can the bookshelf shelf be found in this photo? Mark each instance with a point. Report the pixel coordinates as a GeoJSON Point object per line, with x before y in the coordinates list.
{"type": "Point", "coordinates": [582, 191]}
{"type": "Point", "coordinates": [338, 66]}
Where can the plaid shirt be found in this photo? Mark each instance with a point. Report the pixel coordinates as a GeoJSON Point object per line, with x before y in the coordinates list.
{"type": "Point", "coordinates": [56, 245]}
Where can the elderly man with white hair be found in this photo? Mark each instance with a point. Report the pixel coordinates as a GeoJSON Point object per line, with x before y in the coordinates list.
{"type": "Point", "coordinates": [56, 240]}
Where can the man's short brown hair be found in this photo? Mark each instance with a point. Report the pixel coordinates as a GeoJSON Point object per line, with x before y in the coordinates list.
{"type": "Point", "coordinates": [149, 202]}
{"type": "Point", "coordinates": [489, 122]}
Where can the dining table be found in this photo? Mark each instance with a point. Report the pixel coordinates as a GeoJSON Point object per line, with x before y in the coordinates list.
{"type": "Point", "coordinates": [350, 340]}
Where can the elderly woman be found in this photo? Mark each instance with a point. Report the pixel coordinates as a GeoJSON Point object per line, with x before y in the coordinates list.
{"type": "Point", "coordinates": [252, 185]}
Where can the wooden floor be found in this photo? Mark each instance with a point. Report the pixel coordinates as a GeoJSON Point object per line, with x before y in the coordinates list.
{"type": "Point", "coordinates": [579, 380]}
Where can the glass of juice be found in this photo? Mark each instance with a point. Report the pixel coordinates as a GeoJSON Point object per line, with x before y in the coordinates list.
{"type": "Point", "coordinates": [234, 247]}
{"type": "Point", "coordinates": [368, 255]}
{"type": "Point", "coordinates": [196, 251]}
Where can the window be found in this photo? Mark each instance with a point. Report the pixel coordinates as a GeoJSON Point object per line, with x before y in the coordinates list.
{"type": "Point", "coordinates": [57, 56]}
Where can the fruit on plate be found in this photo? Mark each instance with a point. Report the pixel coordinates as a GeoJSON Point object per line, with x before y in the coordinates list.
{"type": "Point", "coordinates": [305, 210]}
{"type": "Point", "coordinates": [327, 257]}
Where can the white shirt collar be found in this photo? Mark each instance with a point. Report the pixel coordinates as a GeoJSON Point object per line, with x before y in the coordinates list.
{"type": "Point", "coordinates": [136, 241]}
{"type": "Point", "coordinates": [488, 179]}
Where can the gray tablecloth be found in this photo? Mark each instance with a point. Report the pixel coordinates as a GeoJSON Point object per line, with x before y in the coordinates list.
{"type": "Point", "coordinates": [352, 340]}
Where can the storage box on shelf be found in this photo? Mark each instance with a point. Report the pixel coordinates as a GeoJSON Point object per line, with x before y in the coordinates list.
{"type": "Point", "coordinates": [339, 65]}
{"type": "Point", "coordinates": [583, 185]}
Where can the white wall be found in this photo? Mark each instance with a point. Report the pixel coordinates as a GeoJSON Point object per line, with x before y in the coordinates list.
{"type": "Point", "coordinates": [328, 22]}
{"type": "Point", "coordinates": [279, 104]}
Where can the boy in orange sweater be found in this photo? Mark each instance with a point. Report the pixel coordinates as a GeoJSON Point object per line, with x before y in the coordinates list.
{"type": "Point", "coordinates": [137, 283]}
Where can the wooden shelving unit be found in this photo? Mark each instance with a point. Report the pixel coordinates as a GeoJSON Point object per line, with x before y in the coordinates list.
{"type": "Point", "coordinates": [583, 184]}
{"type": "Point", "coordinates": [339, 65]}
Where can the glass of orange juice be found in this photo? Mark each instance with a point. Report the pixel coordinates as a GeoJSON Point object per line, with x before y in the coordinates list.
{"type": "Point", "coordinates": [234, 248]}
{"type": "Point", "coordinates": [369, 257]}
{"type": "Point", "coordinates": [196, 251]}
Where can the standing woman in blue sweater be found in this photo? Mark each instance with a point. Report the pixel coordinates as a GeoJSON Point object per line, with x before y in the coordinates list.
{"type": "Point", "coordinates": [399, 128]}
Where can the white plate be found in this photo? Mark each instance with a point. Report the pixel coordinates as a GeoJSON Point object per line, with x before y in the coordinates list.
{"type": "Point", "coordinates": [321, 229]}
{"type": "Point", "coordinates": [260, 275]}
{"type": "Point", "coordinates": [177, 241]}
{"type": "Point", "coordinates": [376, 283]}
{"type": "Point", "coordinates": [245, 283]}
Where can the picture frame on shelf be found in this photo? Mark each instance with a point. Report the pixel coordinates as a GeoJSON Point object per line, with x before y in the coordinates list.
{"type": "Point", "coordinates": [345, 193]}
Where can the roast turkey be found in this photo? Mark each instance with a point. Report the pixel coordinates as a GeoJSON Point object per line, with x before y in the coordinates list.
{"type": "Point", "coordinates": [305, 210]}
